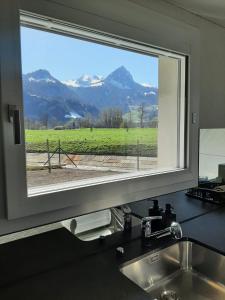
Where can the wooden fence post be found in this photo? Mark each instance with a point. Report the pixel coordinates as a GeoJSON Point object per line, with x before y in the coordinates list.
{"type": "Point", "coordinates": [138, 156]}
{"type": "Point", "coordinates": [49, 158]}
{"type": "Point", "coordinates": [59, 153]}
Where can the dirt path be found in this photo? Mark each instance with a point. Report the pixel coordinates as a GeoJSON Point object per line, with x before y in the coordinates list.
{"type": "Point", "coordinates": [43, 177]}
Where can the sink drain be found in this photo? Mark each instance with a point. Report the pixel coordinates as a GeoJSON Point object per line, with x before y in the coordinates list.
{"type": "Point", "coordinates": [169, 295]}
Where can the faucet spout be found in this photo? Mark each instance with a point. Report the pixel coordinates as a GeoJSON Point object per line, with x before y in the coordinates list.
{"type": "Point", "coordinates": [174, 229]}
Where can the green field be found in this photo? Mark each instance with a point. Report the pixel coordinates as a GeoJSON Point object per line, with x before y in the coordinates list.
{"type": "Point", "coordinates": [142, 141]}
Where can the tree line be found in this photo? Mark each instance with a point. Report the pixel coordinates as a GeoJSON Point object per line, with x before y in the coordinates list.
{"type": "Point", "coordinates": [109, 118]}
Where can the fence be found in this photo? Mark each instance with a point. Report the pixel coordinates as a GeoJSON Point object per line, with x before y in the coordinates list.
{"type": "Point", "coordinates": [52, 154]}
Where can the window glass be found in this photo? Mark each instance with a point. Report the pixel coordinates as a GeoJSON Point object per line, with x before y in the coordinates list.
{"type": "Point", "coordinates": [96, 112]}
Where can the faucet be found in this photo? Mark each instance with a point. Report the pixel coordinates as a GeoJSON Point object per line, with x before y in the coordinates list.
{"type": "Point", "coordinates": [174, 229]}
{"type": "Point", "coordinates": [146, 225]}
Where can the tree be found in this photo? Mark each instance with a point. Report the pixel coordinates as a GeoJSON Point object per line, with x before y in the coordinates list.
{"type": "Point", "coordinates": [106, 118]}
{"type": "Point", "coordinates": [32, 124]}
{"type": "Point", "coordinates": [117, 118]}
{"type": "Point", "coordinates": [27, 123]}
{"type": "Point", "coordinates": [86, 121]}
{"type": "Point", "coordinates": [44, 120]}
{"type": "Point", "coordinates": [141, 111]}
{"type": "Point", "coordinates": [112, 118]}
{"type": "Point", "coordinates": [130, 119]}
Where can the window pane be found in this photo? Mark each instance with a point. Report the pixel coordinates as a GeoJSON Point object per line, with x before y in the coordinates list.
{"type": "Point", "coordinates": [94, 111]}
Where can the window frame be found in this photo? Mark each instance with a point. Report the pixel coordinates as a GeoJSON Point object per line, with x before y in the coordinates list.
{"type": "Point", "coordinates": [73, 31]}
{"type": "Point", "coordinates": [81, 199]}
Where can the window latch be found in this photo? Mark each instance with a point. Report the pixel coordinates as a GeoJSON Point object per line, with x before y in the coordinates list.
{"type": "Point", "coordinates": [14, 119]}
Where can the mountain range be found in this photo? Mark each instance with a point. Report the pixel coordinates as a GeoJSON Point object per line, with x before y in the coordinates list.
{"type": "Point", "coordinates": [46, 96]}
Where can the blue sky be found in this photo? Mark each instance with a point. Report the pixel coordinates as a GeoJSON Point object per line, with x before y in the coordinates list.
{"type": "Point", "coordinates": [68, 58]}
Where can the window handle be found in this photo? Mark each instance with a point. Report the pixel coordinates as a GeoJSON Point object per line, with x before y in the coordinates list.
{"type": "Point", "coordinates": [14, 119]}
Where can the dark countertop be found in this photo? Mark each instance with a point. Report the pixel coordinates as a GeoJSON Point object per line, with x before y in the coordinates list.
{"type": "Point", "coordinates": [81, 276]}
{"type": "Point", "coordinates": [208, 229]}
{"type": "Point", "coordinates": [56, 265]}
{"type": "Point", "coordinates": [185, 207]}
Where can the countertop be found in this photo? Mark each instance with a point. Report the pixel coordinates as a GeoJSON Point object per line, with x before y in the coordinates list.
{"type": "Point", "coordinates": [185, 207]}
{"type": "Point", "coordinates": [56, 265]}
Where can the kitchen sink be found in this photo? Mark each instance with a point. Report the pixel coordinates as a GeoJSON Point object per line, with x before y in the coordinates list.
{"type": "Point", "coordinates": [185, 271]}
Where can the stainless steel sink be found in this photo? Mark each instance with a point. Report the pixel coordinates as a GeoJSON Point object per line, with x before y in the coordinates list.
{"type": "Point", "coordinates": [184, 271]}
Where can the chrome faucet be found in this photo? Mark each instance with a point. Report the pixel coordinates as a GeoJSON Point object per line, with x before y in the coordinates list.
{"type": "Point", "coordinates": [146, 225]}
{"type": "Point", "coordinates": [174, 229]}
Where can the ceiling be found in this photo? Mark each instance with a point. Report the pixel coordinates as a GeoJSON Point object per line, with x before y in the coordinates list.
{"type": "Point", "coordinates": [213, 10]}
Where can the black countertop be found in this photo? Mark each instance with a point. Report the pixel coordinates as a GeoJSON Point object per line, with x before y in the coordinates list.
{"type": "Point", "coordinates": [185, 207]}
{"type": "Point", "coordinates": [56, 265]}
{"type": "Point", "coordinates": [80, 276]}
{"type": "Point", "coordinates": [208, 229]}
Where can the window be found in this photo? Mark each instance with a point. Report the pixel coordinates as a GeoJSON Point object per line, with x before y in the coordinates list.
{"type": "Point", "coordinates": [98, 110]}
{"type": "Point", "coordinates": [75, 144]}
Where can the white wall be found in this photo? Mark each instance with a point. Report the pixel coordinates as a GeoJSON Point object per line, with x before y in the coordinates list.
{"type": "Point", "coordinates": [211, 152]}
{"type": "Point", "coordinates": [168, 112]}
{"type": "Point", "coordinates": [136, 18]}
{"type": "Point", "coordinates": [212, 73]}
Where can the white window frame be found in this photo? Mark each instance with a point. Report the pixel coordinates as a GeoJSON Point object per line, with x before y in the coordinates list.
{"type": "Point", "coordinates": [72, 30]}
{"type": "Point", "coordinates": [105, 193]}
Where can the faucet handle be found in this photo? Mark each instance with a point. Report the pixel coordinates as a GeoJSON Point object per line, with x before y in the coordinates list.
{"type": "Point", "coordinates": [149, 219]}
{"type": "Point", "coordinates": [155, 218]}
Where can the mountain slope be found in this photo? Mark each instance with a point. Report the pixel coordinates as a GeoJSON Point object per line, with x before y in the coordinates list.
{"type": "Point", "coordinates": [46, 97]}
{"type": "Point", "coordinates": [118, 90]}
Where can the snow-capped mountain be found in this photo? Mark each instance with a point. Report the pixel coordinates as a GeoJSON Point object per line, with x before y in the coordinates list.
{"type": "Point", "coordinates": [121, 78]}
{"type": "Point", "coordinates": [42, 83]}
{"type": "Point", "coordinates": [44, 94]}
{"type": "Point", "coordinates": [85, 81]}
{"type": "Point", "coordinates": [118, 89]}
{"type": "Point", "coordinates": [40, 75]}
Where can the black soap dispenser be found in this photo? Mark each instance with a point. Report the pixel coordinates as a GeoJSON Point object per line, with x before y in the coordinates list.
{"type": "Point", "coordinates": [168, 216]}
{"type": "Point", "coordinates": [155, 210]}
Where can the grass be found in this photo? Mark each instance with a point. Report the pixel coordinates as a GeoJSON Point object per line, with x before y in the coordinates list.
{"type": "Point", "coordinates": [99, 141]}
